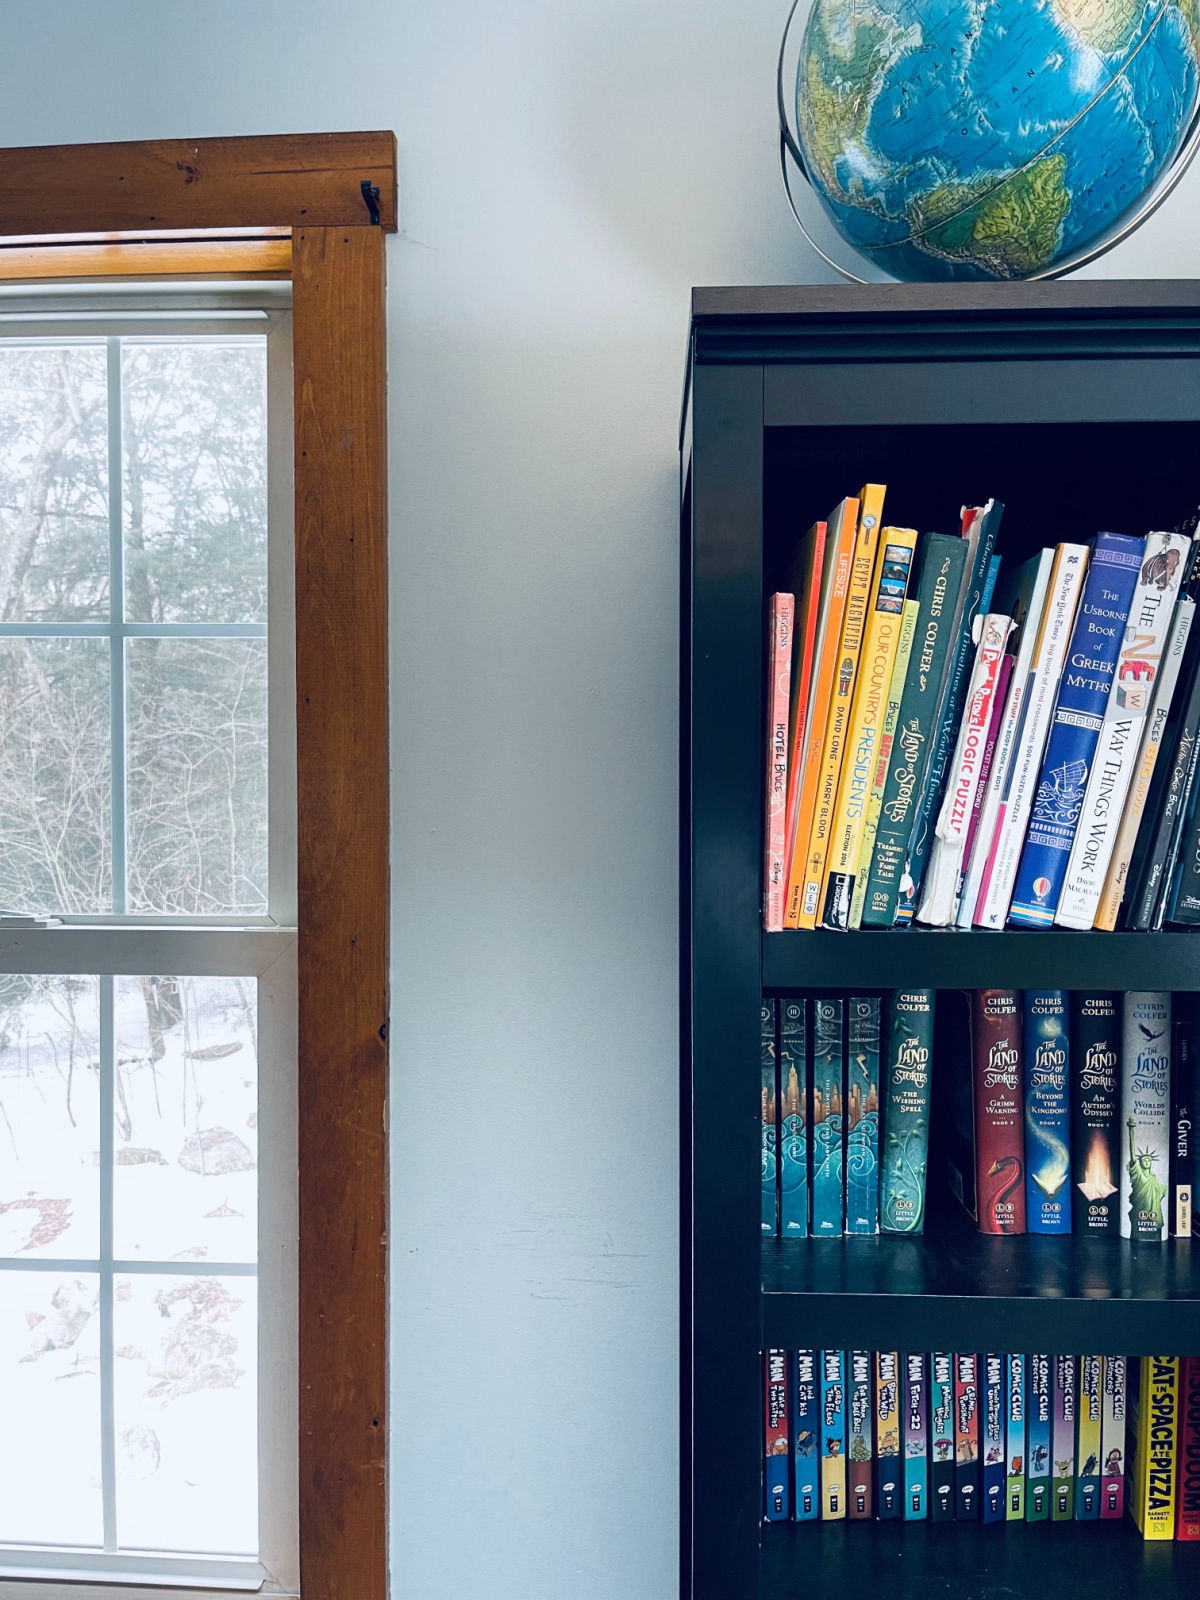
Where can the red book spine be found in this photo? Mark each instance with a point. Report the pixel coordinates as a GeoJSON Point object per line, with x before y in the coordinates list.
{"type": "Point", "coordinates": [779, 688]}
{"type": "Point", "coordinates": [999, 700]}
{"type": "Point", "coordinates": [999, 1110]}
{"type": "Point", "coordinates": [1187, 1478]}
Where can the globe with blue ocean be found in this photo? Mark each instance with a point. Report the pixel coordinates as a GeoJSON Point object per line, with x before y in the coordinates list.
{"type": "Point", "coordinates": [991, 139]}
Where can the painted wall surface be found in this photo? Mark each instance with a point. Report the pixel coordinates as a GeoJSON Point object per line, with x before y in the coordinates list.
{"type": "Point", "coordinates": [568, 172]}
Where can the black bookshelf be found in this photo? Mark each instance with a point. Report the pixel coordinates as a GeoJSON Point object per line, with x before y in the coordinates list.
{"type": "Point", "coordinates": [1078, 405]}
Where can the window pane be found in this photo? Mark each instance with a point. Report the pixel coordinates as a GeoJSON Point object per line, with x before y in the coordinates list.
{"type": "Point", "coordinates": [50, 1401]}
{"type": "Point", "coordinates": [185, 1179]}
{"type": "Point", "coordinates": [195, 442]}
{"type": "Point", "coordinates": [53, 484]}
{"type": "Point", "coordinates": [50, 1127]}
{"type": "Point", "coordinates": [196, 729]}
{"type": "Point", "coordinates": [186, 1414]}
{"type": "Point", "coordinates": [54, 775]}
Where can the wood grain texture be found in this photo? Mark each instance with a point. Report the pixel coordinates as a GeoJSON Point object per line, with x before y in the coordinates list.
{"type": "Point", "coordinates": [175, 259]}
{"type": "Point", "coordinates": [287, 180]}
{"type": "Point", "coordinates": [341, 657]}
{"type": "Point", "coordinates": [909, 299]}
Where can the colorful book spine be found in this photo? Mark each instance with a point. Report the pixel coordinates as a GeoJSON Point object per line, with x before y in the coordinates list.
{"type": "Point", "coordinates": [770, 1104]}
{"type": "Point", "coordinates": [942, 560]}
{"type": "Point", "coordinates": [833, 1436]}
{"type": "Point", "coordinates": [1066, 1403]}
{"type": "Point", "coordinates": [885, 618]}
{"type": "Point", "coordinates": [965, 907]}
{"type": "Point", "coordinates": [1014, 1437]}
{"type": "Point", "coordinates": [999, 1115]}
{"type": "Point", "coordinates": [806, 1433]}
{"type": "Point", "coordinates": [1187, 1477]}
{"type": "Point", "coordinates": [775, 1454]}
{"type": "Point", "coordinates": [1040, 1429]}
{"type": "Point", "coordinates": [837, 728]}
{"type": "Point", "coordinates": [862, 1114]}
{"type": "Point", "coordinates": [906, 1111]}
{"type": "Point", "coordinates": [1095, 1111]}
{"type": "Point", "coordinates": [888, 1462]}
{"type": "Point", "coordinates": [941, 1437]}
{"type": "Point", "coordinates": [809, 586]}
{"type": "Point", "coordinates": [908, 628]}
{"type": "Point", "coordinates": [995, 1507]}
{"type": "Point", "coordinates": [860, 1417]}
{"type": "Point", "coordinates": [1088, 1439]}
{"type": "Point", "coordinates": [1050, 649]}
{"type": "Point", "coordinates": [916, 1438]}
{"type": "Point", "coordinates": [1127, 707]}
{"type": "Point", "coordinates": [827, 1120]}
{"type": "Point", "coordinates": [966, 1437]}
{"type": "Point", "coordinates": [1078, 718]}
{"type": "Point", "coordinates": [779, 683]}
{"type": "Point", "coordinates": [793, 1123]}
{"type": "Point", "coordinates": [1146, 1114]}
{"type": "Point", "coordinates": [1154, 1417]}
{"type": "Point", "coordinates": [1047, 1112]}
{"type": "Point", "coordinates": [1112, 1441]}
{"type": "Point", "coordinates": [1183, 1112]}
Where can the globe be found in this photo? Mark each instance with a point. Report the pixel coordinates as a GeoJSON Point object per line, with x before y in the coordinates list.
{"type": "Point", "coordinates": [983, 139]}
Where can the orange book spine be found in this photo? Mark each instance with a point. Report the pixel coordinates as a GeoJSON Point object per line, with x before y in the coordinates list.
{"type": "Point", "coordinates": [804, 650]}
{"type": "Point", "coordinates": [779, 683]}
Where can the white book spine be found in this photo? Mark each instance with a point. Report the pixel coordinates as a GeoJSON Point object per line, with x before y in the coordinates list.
{"type": "Point", "coordinates": [1145, 1114]}
{"type": "Point", "coordinates": [1054, 635]}
{"type": "Point", "coordinates": [783, 611]}
{"type": "Point", "coordinates": [1005, 744]}
{"type": "Point", "coordinates": [1125, 714]}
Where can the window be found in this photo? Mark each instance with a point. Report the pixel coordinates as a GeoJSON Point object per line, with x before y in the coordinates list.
{"type": "Point", "coordinates": [147, 958]}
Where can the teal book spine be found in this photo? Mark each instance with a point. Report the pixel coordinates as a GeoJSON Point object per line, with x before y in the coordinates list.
{"type": "Point", "coordinates": [806, 1434]}
{"type": "Point", "coordinates": [916, 1437]}
{"type": "Point", "coordinates": [942, 560]}
{"type": "Point", "coordinates": [906, 1091]}
{"type": "Point", "coordinates": [793, 1128]}
{"type": "Point", "coordinates": [770, 1106]}
{"type": "Point", "coordinates": [827, 1189]}
{"type": "Point", "coordinates": [862, 1114]}
{"type": "Point", "coordinates": [1047, 1112]}
{"type": "Point", "coordinates": [1039, 1389]}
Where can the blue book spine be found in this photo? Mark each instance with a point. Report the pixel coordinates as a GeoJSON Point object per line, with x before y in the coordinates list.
{"type": "Point", "coordinates": [1040, 1414]}
{"type": "Point", "coordinates": [1082, 696]}
{"type": "Point", "coordinates": [806, 1411]}
{"type": "Point", "coordinates": [862, 1114]}
{"type": "Point", "coordinates": [770, 1106]}
{"type": "Point", "coordinates": [1014, 1436]}
{"type": "Point", "coordinates": [833, 1435]}
{"type": "Point", "coordinates": [827, 1196]}
{"type": "Point", "coordinates": [1047, 1112]}
{"type": "Point", "coordinates": [916, 1438]}
{"type": "Point", "coordinates": [793, 1132]}
{"type": "Point", "coordinates": [994, 1408]}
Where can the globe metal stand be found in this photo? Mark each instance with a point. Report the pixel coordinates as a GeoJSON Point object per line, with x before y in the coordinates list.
{"type": "Point", "coordinates": [1159, 190]}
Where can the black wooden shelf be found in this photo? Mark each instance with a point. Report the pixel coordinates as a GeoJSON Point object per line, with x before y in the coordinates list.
{"type": "Point", "coordinates": [958, 960]}
{"type": "Point", "coordinates": [955, 1289]}
{"type": "Point", "coordinates": [967, 1561]}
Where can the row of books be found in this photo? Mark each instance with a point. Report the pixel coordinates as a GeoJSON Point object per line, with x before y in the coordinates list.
{"type": "Point", "coordinates": [972, 750]}
{"type": "Point", "coordinates": [1060, 1111]}
{"type": "Point", "coordinates": [865, 1435]}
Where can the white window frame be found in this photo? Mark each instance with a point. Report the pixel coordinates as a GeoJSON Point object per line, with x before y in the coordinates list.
{"type": "Point", "coordinates": [262, 947]}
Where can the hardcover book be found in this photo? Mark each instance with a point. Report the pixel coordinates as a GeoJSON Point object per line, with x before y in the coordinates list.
{"type": "Point", "coordinates": [779, 678]}
{"type": "Point", "coordinates": [827, 1119]}
{"type": "Point", "coordinates": [906, 1111]}
{"type": "Point", "coordinates": [1153, 1436]}
{"type": "Point", "coordinates": [888, 1466]}
{"type": "Point", "coordinates": [807, 584]}
{"type": "Point", "coordinates": [966, 1437]}
{"type": "Point", "coordinates": [1066, 1399]}
{"type": "Point", "coordinates": [1146, 1114]}
{"type": "Point", "coordinates": [862, 1114]}
{"type": "Point", "coordinates": [806, 1431]}
{"type": "Point", "coordinates": [769, 1130]}
{"type": "Point", "coordinates": [987, 1160]}
{"type": "Point", "coordinates": [941, 1437]}
{"type": "Point", "coordinates": [1047, 1112]}
{"type": "Point", "coordinates": [1078, 718]}
{"type": "Point", "coordinates": [916, 1437]}
{"type": "Point", "coordinates": [1112, 1441]}
{"type": "Point", "coordinates": [1183, 1113]}
{"type": "Point", "coordinates": [833, 1436]}
{"type": "Point", "coordinates": [793, 1130]}
{"type": "Point", "coordinates": [775, 1462]}
{"type": "Point", "coordinates": [1088, 1441]}
{"type": "Point", "coordinates": [1014, 1437]}
{"type": "Point", "coordinates": [1095, 1111]}
{"type": "Point", "coordinates": [860, 1417]}
{"type": "Point", "coordinates": [1166, 801]}
{"type": "Point", "coordinates": [891, 718]}
{"type": "Point", "coordinates": [1040, 1391]}
{"type": "Point", "coordinates": [995, 1476]}
{"type": "Point", "coordinates": [1187, 1477]}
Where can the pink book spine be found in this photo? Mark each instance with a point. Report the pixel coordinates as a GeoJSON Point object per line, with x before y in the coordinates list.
{"type": "Point", "coordinates": [779, 693]}
{"type": "Point", "coordinates": [989, 748]}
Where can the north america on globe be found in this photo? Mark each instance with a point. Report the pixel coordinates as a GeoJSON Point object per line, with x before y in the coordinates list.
{"type": "Point", "coordinates": [984, 139]}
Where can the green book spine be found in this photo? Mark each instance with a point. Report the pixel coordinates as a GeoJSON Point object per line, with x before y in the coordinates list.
{"type": "Point", "coordinates": [942, 561]}
{"type": "Point", "coordinates": [906, 1111]}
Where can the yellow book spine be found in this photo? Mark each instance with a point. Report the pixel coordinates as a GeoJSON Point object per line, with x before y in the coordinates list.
{"type": "Point", "coordinates": [885, 618]}
{"type": "Point", "coordinates": [862, 867]}
{"type": "Point", "coordinates": [1157, 1434]}
{"type": "Point", "coordinates": [838, 724]}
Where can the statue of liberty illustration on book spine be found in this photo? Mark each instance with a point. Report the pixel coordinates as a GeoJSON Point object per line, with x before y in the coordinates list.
{"type": "Point", "coordinates": [1145, 1113]}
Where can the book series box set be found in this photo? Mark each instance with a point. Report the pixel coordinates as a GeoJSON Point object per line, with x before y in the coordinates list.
{"type": "Point", "coordinates": [951, 1437]}
{"type": "Point", "coordinates": [970, 748]}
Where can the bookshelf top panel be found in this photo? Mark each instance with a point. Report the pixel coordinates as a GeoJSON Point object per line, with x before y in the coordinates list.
{"type": "Point", "coordinates": [1148, 295]}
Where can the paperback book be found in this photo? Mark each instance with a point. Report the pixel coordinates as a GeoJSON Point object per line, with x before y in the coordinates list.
{"type": "Point", "coordinates": [1014, 1437]}
{"type": "Point", "coordinates": [1047, 1112]}
{"type": "Point", "coordinates": [1187, 1477]}
{"type": "Point", "coordinates": [916, 1437]}
{"type": "Point", "coordinates": [769, 1131]}
{"type": "Point", "coordinates": [941, 1437]}
{"type": "Point", "coordinates": [1066, 1398]}
{"type": "Point", "coordinates": [966, 1437]}
{"type": "Point", "coordinates": [994, 1411]}
{"type": "Point", "coordinates": [906, 1111]}
{"type": "Point", "coordinates": [779, 677]}
{"type": "Point", "coordinates": [833, 1436]}
{"type": "Point", "coordinates": [860, 1416]}
{"type": "Point", "coordinates": [827, 1119]}
{"type": "Point", "coordinates": [1087, 1442]}
{"type": "Point", "coordinates": [1040, 1424]}
{"type": "Point", "coordinates": [1112, 1440]}
{"type": "Point", "coordinates": [775, 1465]}
{"type": "Point", "coordinates": [810, 583]}
{"type": "Point", "coordinates": [862, 1114]}
{"type": "Point", "coordinates": [1183, 1113]}
{"type": "Point", "coordinates": [793, 1130]}
{"type": "Point", "coordinates": [1095, 1111]}
{"type": "Point", "coordinates": [806, 1431]}
{"type": "Point", "coordinates": [888, 1464]}
{"type": "Point", "coordinates": [887, 738]}
{"type": "Point", "coordinates": [1146, 1114]}
{"type": "Point", "coordinates": [1153, 1435]}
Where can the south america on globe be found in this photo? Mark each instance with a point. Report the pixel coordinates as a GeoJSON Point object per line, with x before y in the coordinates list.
{"type": "Point", "coordinates": [981, 139]}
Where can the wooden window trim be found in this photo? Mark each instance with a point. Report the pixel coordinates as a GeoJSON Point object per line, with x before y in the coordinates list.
{"type": "Point", "coordinates": [310, 184]}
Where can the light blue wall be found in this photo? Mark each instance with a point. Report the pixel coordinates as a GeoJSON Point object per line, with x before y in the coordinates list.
{"type": "Point", "coordinates": [568, 171]}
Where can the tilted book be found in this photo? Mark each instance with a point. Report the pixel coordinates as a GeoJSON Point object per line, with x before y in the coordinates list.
{"type": "Point", "coordinates": [775, 1442]}
{"type": "Point", "coordinates": [888, 1465]}
{"type": "Point", "coordinates": [1187, 1474]}
{"type": "Point", "coordinates": [1146, 1114]}
{"type": "Point", "coordinates": [908, 1076]}
{"type": "Point", "coordinates": [1153, 1435]}
{"type": "Point", "coordinates": [1182, 1167]}
{"type": "Point", "coordinates": [1125, 713]}
{"type": "Point", "coordinates": [779, 680]}
{"type": "Point", "coordinates": [1078, 717]}
{"type": "Point", "coordinates": [1182, 897]}
{"type": "Point", "coordinates": [994, 1473]}
{"type": "Point", "coordinates": [1166, 806]}
{"type": "Point", "coordinates": [860, 1421]}
{"type": "Point", "coordinates": [995, 728]}
{"type": "Point", "coordinates": [1014, 1437]}
{"type": "Point", "coordinates": [1087, 1439]}
{"type": "Point", "coordinates": [908, 628]}
{"type": "Point", "coordinates": [770, 1195]}
{"type": "Point", "coordinates": [1112, 1441]}
{"type": "Point", "coordinates": [807, 577]}
{"type": "Point", "coordinates": [1096, 1139]}
{"type": "Point", "coordinates": [827, 1119]}
{"type": "Point", "coordinates": [862, 1114]}
{"type": "Point", "coordinates": [916, 1437]}
{"type": "Point", "coordinates": [1040, 1390]}
{"type": "Point", "coordinates": [941, 1437]}
{"type": "Point", "coordinates": [833, 1436]}
{"type": "Point", "coordinates": [806, 1433]}
{"type": "Point", "coordinates": [793, 1120]}
{"type": "Point", "coordinates": [1066, 1399]}
{"type": "Point", "coordinates": [966, 1437]}
{"type": "Point", "coordinates": [1047, 1112]}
